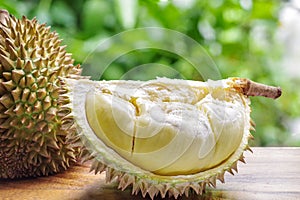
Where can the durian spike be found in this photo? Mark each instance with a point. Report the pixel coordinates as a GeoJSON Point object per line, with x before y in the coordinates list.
{"type": "Point", "coordinates": [3, 16]}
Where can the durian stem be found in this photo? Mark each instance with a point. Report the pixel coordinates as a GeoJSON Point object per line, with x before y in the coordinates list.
{"type": "Point", "coordinates": [251, 88]}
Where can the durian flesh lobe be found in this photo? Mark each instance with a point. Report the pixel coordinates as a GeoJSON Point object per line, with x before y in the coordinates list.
{"type": "Point", "coordinates": [165, 136]}
{"type": "Point", "coordinates": [33, 129]}
{"type": "Point", "coordinates": [184, 126]}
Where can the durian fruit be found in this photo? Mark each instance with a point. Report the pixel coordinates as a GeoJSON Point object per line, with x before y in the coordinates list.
{"type": "Point", "coordinates": [165, 137]}
{"type": "Point", "coordinates": [35, 134]}
{"type": "Point", "coordinates": [161, 137]}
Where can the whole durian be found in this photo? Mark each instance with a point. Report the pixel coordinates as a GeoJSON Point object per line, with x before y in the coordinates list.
{"type": "Point", "coordinates": [165, 137]}
{"type": "Point", "coordinates": [35, 133]}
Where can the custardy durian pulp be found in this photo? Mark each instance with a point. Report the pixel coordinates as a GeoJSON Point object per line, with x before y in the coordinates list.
{"type": "Point", "coordinates": [169, 127]}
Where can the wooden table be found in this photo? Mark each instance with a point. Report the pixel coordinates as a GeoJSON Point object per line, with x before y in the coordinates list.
{"type": "Point", "coordinates": [270, 173]}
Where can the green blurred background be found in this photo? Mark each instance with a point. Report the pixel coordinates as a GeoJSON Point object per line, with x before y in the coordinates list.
{"type": "Point", "coordinates": [241, 36]}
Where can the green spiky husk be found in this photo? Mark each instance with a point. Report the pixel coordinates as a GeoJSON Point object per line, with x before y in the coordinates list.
{"type": "Point", "coordinates": [34, 131]}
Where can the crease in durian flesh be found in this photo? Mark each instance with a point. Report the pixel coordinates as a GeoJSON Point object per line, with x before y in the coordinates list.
{"type": "Point", "coordinates": [168, 127]}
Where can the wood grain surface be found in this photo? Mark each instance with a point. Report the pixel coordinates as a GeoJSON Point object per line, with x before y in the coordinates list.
{"type": "Point", "coordinates": [270, 173]}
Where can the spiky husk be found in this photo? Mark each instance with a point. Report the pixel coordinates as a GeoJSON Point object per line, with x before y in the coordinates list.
{"type": "Point", "coordinates": [34, 128]}
{"type": "Point", "coordinates": [142, 181]}
{"type": "Point", "coordinates": [174, 186]}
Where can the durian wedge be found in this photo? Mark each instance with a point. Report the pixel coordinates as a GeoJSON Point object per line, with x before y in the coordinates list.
{"type": "Point", "coordinates": [165, 136]}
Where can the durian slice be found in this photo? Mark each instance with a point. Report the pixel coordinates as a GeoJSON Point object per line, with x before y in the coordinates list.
{"type": "Point", "coordinates": [165, 136]}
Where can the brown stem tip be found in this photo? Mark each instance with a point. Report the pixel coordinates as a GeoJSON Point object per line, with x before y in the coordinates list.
{"type": "Point", "coordinates": [251, 88]}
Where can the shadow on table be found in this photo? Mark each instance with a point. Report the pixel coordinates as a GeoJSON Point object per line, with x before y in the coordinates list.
{"type": "Point", "coordinates": [110, 192]}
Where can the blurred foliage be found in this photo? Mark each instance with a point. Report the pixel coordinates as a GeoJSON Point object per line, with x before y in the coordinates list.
{"type": "Point", "coordinates": [238, 34]}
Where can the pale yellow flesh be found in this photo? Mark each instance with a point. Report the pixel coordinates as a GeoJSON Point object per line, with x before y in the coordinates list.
{"type": "Point", "coordinates": [169, 128]}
